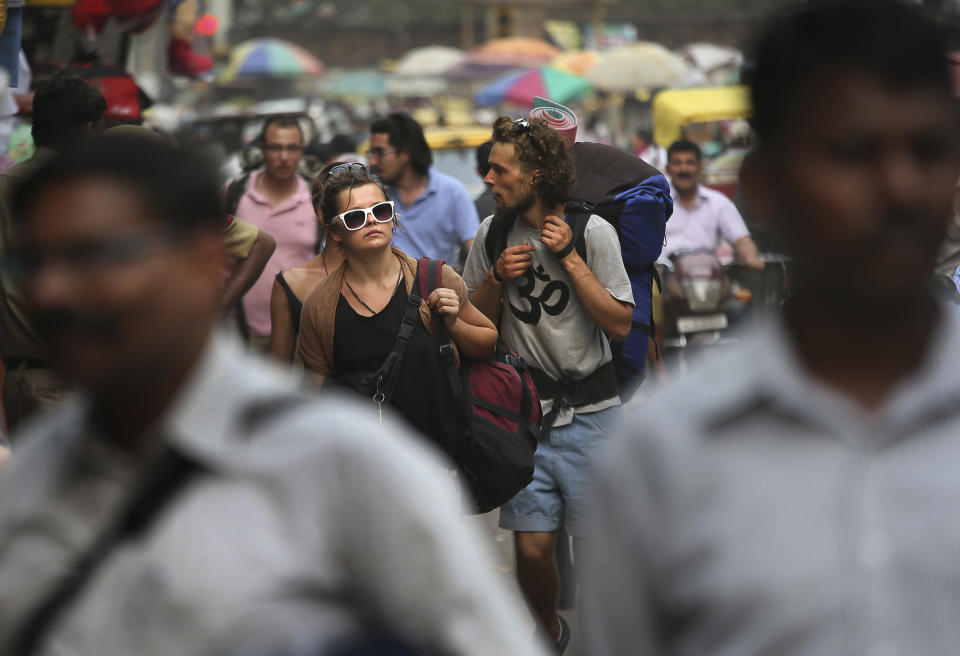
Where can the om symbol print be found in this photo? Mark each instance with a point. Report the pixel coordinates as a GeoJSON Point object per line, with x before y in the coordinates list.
{"type": "Point", "coordinates": [545, 301]}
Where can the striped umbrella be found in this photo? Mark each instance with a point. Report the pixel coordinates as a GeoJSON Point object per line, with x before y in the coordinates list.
{"type": "Point", "coordinates": [270, 58]}
{"type": "Point", "coordinates": [520, 87]}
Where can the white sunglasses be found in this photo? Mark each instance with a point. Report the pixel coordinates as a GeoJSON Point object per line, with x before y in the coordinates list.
{"type": "Point", "coordinates": [382, 212]}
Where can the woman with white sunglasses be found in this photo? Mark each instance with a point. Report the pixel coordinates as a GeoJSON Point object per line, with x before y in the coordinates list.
{"type": "Point", "coordinates": [350, 321]}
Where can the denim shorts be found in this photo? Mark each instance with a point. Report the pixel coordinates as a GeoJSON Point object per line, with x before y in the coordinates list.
{"type": "Point", "coordinates": [561, 476]}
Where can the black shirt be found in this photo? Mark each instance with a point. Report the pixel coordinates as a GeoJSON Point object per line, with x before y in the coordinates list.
{"type": "Point", "coordinates": [421, 395]}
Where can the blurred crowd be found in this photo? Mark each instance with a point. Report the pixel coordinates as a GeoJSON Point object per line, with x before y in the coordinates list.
{"type": "Point", "coordinates": [252, 416]}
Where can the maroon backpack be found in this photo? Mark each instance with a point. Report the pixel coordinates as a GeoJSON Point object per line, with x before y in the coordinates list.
{"type": "Point", "coordinates": [499, 410]}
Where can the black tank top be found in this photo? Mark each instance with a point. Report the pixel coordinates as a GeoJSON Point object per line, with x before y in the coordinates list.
{"type": "Point", "coordinates": [361, 344]}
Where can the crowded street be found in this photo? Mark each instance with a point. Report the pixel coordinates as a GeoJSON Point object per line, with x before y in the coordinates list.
{"type": "Point", "coordinates": [479, 327]}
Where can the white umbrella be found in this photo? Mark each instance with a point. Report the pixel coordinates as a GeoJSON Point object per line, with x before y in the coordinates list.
{"type": "Point", "coordinates": [428, 61]}
{"type": "Point", "coordinates": [644, 65]}
{"type": "Point", "coordinates": [708, 57]}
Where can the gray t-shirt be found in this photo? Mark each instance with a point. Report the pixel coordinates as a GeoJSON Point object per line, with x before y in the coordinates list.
{"type": "Point", "coordinates": [542, 318]}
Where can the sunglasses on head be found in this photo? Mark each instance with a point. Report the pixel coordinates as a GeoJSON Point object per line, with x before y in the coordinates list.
{"type": "Point", "coordinates": [353, 167]}
{"type": "Point", "coordinates": [355, 219]}
{"type": "Point", "coordinates": [521, 125]}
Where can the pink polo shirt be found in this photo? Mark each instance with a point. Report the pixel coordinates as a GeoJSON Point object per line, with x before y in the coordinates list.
{"type": "Point", "coordinates": [293, 225]}
{"type": "Point", "coordinates": [713, 216]}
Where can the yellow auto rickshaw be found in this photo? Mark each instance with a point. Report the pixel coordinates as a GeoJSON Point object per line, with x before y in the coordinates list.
{"type": "Point", "coordinates": [678, 111]}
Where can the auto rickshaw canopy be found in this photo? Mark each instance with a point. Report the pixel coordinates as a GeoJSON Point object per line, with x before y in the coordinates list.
{"type": "Point", "coordinates": [675, 108]}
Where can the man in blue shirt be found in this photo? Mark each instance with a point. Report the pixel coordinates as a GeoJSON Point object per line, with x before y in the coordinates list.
{"type": "Point", "coordinates": [437, 215]}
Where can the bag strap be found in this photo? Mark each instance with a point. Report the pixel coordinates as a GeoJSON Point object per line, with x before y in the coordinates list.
{"type": "Point", "coordinates": [570, 393]}
{"type": "Point", "coordinates": [526, 398]}
{"type": "Point", "coordinates": [168, 477]}
{"type": "Point", "coordinates": [391, 366]}
{"type": "Point", "coordinates": [430, 276]}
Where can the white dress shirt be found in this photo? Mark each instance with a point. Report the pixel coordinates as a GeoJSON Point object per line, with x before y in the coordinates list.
{"type": "Point", "coordinates": [751, 509]}
{"type": "Point", "coordinates": [314, 523]}
{"type": "Point", "coordinates": [714, 216]}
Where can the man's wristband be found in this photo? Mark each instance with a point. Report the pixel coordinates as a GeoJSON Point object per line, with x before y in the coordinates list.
{"type": "Point", "coordinates": [496, 276]}
{"type": "Point", "coordinates": [566, 250]}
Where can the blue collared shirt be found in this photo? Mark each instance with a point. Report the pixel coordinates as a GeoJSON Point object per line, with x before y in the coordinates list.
{"type": "Point", "coordinates": [435, 224]}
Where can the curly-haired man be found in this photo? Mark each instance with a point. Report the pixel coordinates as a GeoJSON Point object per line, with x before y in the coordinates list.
{"type": "Point", "coordinates": [556, 310]}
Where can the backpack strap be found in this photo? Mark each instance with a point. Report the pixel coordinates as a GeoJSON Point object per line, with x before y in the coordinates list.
{"type": "Point", "coordinates": [235, 192]}
{"type": "Point", "coordinates": [321, 231]}
{"type": "Point", "coordinates": [578, 215]}
{"type": "Point", "coordinates": [650, 329]}
{"type": "Point", "coordinates": [496, 239]}
{"type": "Point", "coordinates": [167, 478]}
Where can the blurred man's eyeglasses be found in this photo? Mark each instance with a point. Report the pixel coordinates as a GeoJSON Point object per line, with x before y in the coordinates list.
{"type": "Point", "coordinates": [276, 149]}
{"type": "Point", "coordinates": [378, 153]}
{"type": "Point", "coordinates": [86, 257]}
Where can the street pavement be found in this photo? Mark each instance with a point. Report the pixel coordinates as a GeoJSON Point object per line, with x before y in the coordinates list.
{"type": "Point", "coordinates": [501, 544]}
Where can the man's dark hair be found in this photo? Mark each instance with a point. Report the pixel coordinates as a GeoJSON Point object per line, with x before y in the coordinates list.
{"type": "Point", "coordinates": [279, 121]}
{"type": "Point", "coordinates": [894, 41]}
{"type": "Point", "coordinates": [404, 133]}
{"type": "Point", "coordinates": [173, 183]}
{"type": "Point", "coordinates": [62, 110]}
{"type": "Point", "coordinates": [539, 147]}
{"type": "Point", "coordinates": [343, 143]}
{"type": "Point", "coordinates": [483, 158]}
{"type": "Point", "coordinates": [684, 146]}
{"type": "Point", "coordinates": [321, 150]}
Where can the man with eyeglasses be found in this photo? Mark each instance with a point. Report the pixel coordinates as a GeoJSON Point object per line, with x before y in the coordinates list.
{"type": "Point", "coordinates": [437, 215]}
{"type": "Point", "coordinates": [275, 199]}
{"type": "Point", "coordinates": [190, 500]}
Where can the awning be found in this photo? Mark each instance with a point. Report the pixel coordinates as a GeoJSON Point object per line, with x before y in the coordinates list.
{"type": "Point", "coordinates": [675, 108]}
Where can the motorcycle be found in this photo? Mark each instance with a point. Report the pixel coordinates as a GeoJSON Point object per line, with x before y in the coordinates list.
{"type": "Point", "coordinates": [705, 302]}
